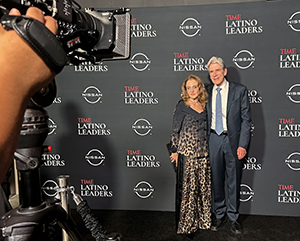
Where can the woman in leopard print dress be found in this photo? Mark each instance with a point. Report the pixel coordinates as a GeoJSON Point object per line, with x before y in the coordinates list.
{"type": "Point", "coordinates": [190, 152]}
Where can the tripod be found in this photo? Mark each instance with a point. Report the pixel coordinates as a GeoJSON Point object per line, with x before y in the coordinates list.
{"type": "Point", "coordinates": [31, 220]}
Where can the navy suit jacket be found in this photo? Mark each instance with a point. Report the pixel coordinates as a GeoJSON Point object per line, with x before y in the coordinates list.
{"type": "Point", "coordinates": [238, 115]}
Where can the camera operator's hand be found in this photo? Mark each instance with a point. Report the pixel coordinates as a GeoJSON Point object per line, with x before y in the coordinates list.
{"type": "Point", "coordinates": [19, 61]}
{"type": "Point", "coordinates": [22, 74]}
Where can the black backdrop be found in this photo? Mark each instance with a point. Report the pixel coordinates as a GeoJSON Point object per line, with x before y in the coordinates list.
{"type": "Point", "coordinates": [110, 123]}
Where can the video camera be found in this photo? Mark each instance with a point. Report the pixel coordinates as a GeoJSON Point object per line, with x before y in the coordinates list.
{"type": "Point", "coordinates": [87, 35]}
{"type": "Point", "coordinates": [84, 36]}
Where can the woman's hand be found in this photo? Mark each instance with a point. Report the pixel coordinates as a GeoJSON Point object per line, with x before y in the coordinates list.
{"type": "Point", "coordinates": [174, 158]}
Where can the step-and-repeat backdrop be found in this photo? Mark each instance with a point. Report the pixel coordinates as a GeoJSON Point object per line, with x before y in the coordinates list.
{"type": "Point", "coordinates": [110, 123]}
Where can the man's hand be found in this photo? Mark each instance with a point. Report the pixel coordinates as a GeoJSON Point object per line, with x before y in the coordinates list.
{"type": "Point", "coordinates": [20, 62]}
{"type": "Point", "coordinates": [22, 74]}
{"type": "Point", "coordinates": [37, 14]}
{"type": "Point", "coordinates": [241, 153]}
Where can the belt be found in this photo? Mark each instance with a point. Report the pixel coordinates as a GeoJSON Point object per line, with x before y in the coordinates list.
{"type": "Point", "coordinates": [225, 133]}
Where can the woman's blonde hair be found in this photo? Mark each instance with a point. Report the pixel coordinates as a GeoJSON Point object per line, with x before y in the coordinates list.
{"type": "Point", "coordinates": [203, 94]}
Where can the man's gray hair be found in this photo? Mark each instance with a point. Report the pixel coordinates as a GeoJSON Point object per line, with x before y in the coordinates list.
{"type": "Point", "coordinates": [216, 60]}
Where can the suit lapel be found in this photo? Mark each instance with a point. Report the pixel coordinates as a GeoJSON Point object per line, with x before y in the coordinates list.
{"type": "Point", "coordinates": [231, 93]}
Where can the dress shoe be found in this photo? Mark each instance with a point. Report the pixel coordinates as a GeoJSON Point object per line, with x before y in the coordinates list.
{"type": "Point", "coordinates": [217, 224]}
{"type": "Point", "coordinates": [190, 236]}
{"type": "Point", "coordinates": [236, 228]}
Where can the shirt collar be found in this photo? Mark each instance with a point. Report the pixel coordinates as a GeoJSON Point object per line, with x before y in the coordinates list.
{"type": "Point", "coordinates": [223, 86]}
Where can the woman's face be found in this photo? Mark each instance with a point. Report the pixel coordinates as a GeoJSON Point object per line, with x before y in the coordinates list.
{"type": "Point", "coordinates": [192, 89]}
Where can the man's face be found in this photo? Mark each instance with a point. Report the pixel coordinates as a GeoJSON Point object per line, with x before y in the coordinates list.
{"type": "Point", "coordinates": [217, 74]}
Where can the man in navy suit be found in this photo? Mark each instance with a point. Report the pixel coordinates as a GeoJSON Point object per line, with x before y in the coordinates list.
{"type": "Point", "coordinates": [229, 120]}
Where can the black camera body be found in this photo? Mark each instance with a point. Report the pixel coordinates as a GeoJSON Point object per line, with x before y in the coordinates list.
{"type": "Point", "coordinates": [84, 36]}
{"type": "Point", "coordinates": [87, 35]}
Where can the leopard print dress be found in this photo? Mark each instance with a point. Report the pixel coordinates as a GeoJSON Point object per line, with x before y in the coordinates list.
{"type": "Point", "coordinates": [193, 189]}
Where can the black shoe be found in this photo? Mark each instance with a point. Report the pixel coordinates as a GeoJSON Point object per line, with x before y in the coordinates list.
{"type": "Point", "coordinates": [190, 236]}
{"type": "Point", "coordinates": [236, 228]}
{"type": "Point", "coordinates": [217, 224]}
